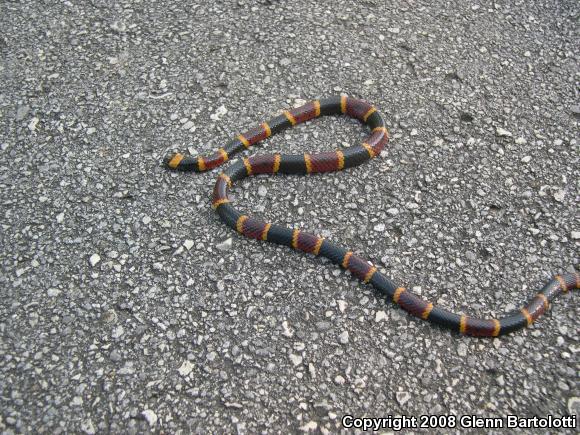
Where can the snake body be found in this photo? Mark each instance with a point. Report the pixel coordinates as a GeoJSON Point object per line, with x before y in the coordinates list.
{"type": "Point", "coordinates": [312, 244]}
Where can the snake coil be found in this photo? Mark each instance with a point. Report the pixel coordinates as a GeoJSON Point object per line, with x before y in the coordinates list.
{"type": "Point", "coordinates": [303, 241]}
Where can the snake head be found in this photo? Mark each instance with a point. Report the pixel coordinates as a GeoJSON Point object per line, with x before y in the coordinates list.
{"type": "Point", "coordinates": [172, 160]}
{"type": "Point", "coordinates": [181, 162]}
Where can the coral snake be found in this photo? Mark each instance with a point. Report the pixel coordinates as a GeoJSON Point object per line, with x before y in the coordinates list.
{"type": "Point", "coordinates": [310, 163]}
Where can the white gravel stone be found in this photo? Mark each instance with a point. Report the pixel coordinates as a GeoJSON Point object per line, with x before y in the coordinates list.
{"type": "Point", "coordinates": [185, 369]}
{"type": "Point", "coordinates": [94, 259]}
{"type": "Point", "coordinates": [402, 397]}
{"type": "Point", "coordinates": [502, 132]}
{"type": "Point", "coordinates": [33, 123]}
{"type": "Point", "coordinates": [287, 331]}
{"type": "Point", "coordinates": [296, 359]}
{"type": "Point", "coordinates": [118, 332]}
{"type": "Point", "coordinates": [150, 416]}
{"type": "Point", "coordinates": [220, 112]}
{"type": "Point", "coordinates": [53, 292]}
{"type": "Point", "coordinates": [559, 195]}
{"type": "Point", "coordinates": [380, 316]}
{"type": "Point", "coordinates": [88, 427]}
{"type": "Point", "coordinates": [311, 426]}
{"type": "Point", "coordinates": [521, 141]}
{"type": "Point", "coordinates": [312, 370]}
{"type": "Point", "coordinates": [574, 406]}
{"type": "Point", "coordinates": [77, 401]}
{"type": "Point", "coordinates": [226, 245]}
{"type": "Point", "coordinates": [188, 244]}
{"type": "Point", "coordinates": [188, 125]}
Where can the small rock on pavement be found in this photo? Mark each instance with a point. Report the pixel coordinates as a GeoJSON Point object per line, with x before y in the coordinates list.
{"type": "Point", "coordinates": [150, 416]}
{"type": "Point", "coordinates": [88, 427]}
{"type": "Point", "coordinates": [381, 315]}
{"type": "Point", "coordinates": [185, 368]}
{"type": "Point", "coordinates": [309, 427]}
{"type": "Point", "coordinates": [343, 338]}
{"type": "Point", "coordinates": [53, 292]}
{"type": "Point", "coordinates": [402, 397]}
{"type": "Point", "coordinates": [574, 406]}
{"type": "Point", "coordinates": [502, 132]}
{"type": "Point", "coordinates": [187, 125]}
{"type": "Point", "coordinates": [286, 329]}
{"type": "Point", "coordinates": [94, 260]}
{"type": "Point", "coordinates": [296, 359]}
{"type": "Point", "coordinates": [33, 123]}
{"type": "Point", "coordinates": [188, 244]}
{"type": "Point", "coordinates": [226, 245]}
{"type": "Point", "coordinates": [559, 195]}
{"type": "Point", "coordinates": [462, 349]}
{"type": "Point", "coordinates": [219, 113]}
{"type": "Point", "coordinates": [575, 235]}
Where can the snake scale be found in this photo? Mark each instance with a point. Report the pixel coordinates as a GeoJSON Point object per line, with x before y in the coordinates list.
{"type": "Point", "coordinates": [310, 163]}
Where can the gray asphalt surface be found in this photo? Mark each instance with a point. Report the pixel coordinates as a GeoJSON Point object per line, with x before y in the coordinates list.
{"type": "Point", "coordinates": [127, 306]}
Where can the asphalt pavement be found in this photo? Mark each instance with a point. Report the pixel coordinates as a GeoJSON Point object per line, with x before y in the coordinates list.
{"type": "Point", "coordinates": [127, 306]}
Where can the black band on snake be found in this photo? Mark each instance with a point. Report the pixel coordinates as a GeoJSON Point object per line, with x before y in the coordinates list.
{"type": "Point", "coordinates": [303, 241]}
